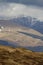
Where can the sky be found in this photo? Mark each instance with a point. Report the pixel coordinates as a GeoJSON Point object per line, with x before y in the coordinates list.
{"type": "Point", "coordinates": [15, 8]}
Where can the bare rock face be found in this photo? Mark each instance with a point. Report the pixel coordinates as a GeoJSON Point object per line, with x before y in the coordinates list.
{"type": "Point", "coordinates": [19, 56]}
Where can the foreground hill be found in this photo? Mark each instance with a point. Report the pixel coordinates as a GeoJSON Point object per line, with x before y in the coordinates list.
{"type": "Point", "coordinates": [19, 56]}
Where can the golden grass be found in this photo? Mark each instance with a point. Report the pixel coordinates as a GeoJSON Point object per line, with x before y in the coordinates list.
{"type": "Point", "coordinates": [19, 56]}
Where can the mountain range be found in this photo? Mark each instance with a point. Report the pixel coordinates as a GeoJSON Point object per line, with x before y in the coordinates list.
{"type": "Point", "coordinates": [24, 21]}
{"type": "Point", "coordinates": [27, 32]}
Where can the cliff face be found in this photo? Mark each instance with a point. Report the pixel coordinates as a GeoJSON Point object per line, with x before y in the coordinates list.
{"type": "Point", "coordinates": [19, 56]}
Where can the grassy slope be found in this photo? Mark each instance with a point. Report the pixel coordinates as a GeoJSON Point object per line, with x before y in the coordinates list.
{"type": "Point", "coordinates": [19, 56]}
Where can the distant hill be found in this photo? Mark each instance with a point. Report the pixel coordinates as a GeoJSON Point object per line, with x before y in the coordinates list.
{"type": "Point", "coordinates": [19, 56]}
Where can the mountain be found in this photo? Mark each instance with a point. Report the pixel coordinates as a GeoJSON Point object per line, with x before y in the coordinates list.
{"type": "Point", "coordinates": [14, 44]}
{"type": "Point", "coordinates": [22, 32]}
{"type": "Point", "coordinates": [30, 23]}
{"type": "Point", "coordinates": [24, 39]}
{"type": "Point", "coordinates": [23, 21]}
{"type": "Point", "coordinates": [38, 26]}
{"type": "Point", "coordinates": [19, 56]}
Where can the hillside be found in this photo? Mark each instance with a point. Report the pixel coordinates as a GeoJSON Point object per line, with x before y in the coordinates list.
{"type": "Point", "coordinates": [19, 56]}
{"type": "Point", "coordinates": [23, 37]}
{"type": "Point", "coordinates": [23, 32]}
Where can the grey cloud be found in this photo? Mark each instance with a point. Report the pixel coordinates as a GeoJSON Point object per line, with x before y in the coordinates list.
{"type": "Point", "coordinates": [11, 8]}
{"type": "Point", "coordinates": [26, 2]}
{"type": "Point", "coordinates": [14, 9]}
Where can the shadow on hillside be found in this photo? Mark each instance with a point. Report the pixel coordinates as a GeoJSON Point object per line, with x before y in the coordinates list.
{"type": "Point", "coordinates": [32, 35]}
{"type": "Point", "coordinates": [38, 27]}
{"type": "Point", "coordinates": [8, 43]}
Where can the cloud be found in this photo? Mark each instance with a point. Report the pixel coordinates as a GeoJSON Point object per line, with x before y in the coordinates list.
{"type": "Point", "coordinates": [13, 10]}
{"type": "Point", "coordinates": [26, 2]}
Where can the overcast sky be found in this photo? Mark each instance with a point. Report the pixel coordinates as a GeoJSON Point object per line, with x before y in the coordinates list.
{"type": "Point", "coordinates": [12, 8]}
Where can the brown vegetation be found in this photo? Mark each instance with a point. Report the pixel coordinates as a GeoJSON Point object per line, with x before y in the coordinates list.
{"type": "Point", "coordinates": [19, 56]}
